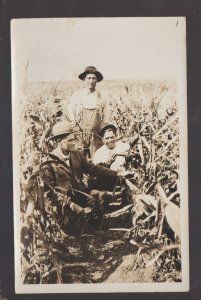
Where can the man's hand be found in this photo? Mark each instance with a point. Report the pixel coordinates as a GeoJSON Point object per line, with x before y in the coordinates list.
{"type": "Point", "coordinates": [124, 173]}
{"type": "Point", "coordinates": [87, 210]}
{"type": "Point", "coordinates": [62, 198]}
{"type": "Point", "coordinates": [114, 195]}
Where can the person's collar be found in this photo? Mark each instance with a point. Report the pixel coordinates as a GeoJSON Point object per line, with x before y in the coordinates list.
{"type": "Point", "coordinates": [64, 157]}
{"type": "Point", "coordinates": [60, 154]}
{"type": "Point", "coordinates": [87, 91]}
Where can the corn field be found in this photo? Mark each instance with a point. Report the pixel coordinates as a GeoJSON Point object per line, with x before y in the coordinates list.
{"type": "Point", "coordinates": [144, 227]}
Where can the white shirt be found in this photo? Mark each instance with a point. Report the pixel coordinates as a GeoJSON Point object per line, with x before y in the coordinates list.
{"type": "Point", "coordinates": [83, 98]}
{"type": "Point", "coordinates": [103, 154]}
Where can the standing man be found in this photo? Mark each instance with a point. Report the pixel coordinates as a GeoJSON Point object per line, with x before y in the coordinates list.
{"type": "Point", "coordinates": [88, 109]}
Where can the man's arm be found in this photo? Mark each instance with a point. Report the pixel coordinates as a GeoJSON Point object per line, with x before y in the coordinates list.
{"type": "Point", "coordinates": [103, 159]}
{"type": "Point", "coordinates": [70, 109]}
{"type": "Point", "coordinates": [48, 177]}
{"type": "Point", "coordinates": [96, 170]}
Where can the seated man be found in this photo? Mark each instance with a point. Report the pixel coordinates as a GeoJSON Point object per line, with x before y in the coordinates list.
{"type": "Point", "coordinates": [62, 175]}
{"type": "Point", "coordinates": [112, 153]}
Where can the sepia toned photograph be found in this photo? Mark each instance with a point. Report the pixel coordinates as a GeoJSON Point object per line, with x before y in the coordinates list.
{"type": "Point", "coordinates": [100, 166]}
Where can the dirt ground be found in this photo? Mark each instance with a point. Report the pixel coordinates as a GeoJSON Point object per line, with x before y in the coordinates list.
{"type": "Point", "coordinates": [126, 273]}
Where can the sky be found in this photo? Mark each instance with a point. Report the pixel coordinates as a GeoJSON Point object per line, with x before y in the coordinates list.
{"type": "Point", "coordinates": [120, 48]}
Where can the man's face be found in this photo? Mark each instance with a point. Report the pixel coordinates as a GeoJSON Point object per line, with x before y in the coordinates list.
{"type": "Point", "coordinates": [67, 143]}
{"type": "Point", "coordinates": [91, 81]}
{"type": "Point", "coordinates": [109, 139]}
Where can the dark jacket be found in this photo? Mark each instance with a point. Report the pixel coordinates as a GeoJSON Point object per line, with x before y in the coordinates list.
{"type": "Point", "coordinates": [57, 174]}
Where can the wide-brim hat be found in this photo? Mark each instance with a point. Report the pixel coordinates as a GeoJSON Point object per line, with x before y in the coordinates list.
{"type": "Point", "coordinates": [61, 128]}
{"type": "Point", "coordinates": [91, 70]}
{"type": "Point", "coordinates": [105, 127]}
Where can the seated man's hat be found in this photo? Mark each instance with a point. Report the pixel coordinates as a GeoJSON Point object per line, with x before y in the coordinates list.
{"type": "Point", "coordinates": [91, 70]}
{"type": "Point", "coordinates": [61, 128]}
{"type": "Point", "coordinates": [105, 127]}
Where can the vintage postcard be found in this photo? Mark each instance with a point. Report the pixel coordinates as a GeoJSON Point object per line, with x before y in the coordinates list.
{"type": "Point", "coordinates": [100, 173]}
